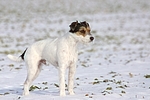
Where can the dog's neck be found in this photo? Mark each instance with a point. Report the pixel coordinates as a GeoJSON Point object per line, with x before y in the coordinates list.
{"type": "Point", "coordinates": [73, 40]}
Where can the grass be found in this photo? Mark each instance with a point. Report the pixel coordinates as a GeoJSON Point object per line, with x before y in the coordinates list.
{"type": "Point", "coordinates": [10, 52]}
{"type": "Point", "coordinates": [33, 87]}
{"type": "Point", "coordinates": [51, 7]}
{"type": "Point", "coordinates": [111, 85]}
{"type": "Point", "coordinates": [6, 93]}
{"type": "Point", "coordinates": [147, 76]}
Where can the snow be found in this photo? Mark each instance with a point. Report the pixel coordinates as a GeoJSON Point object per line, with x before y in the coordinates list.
{"type": "Point", "coordinates": [112, 68]}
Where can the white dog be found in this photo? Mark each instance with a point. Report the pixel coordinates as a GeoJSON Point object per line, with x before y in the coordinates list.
{"type": "Point", "coordinates": [61, 52]}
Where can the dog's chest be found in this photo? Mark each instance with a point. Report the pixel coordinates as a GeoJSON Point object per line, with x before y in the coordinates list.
{"type": "Point", "coordinates": [72, 52]}
{"type": "Point", "coordinates": [68, 52]}
{"type": "Point", "coordinates": [67, 56]}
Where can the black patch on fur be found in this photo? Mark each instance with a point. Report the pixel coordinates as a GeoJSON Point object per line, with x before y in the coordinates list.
{"type": "Point", "coordinates": [22, 56]}
{"type": "Point", "coordinates": [75, 26]}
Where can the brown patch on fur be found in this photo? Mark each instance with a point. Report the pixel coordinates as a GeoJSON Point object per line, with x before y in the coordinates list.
{"type": "Point", "coordinates": [42, 61]}
{"type": "Point", "coordinates": [83, 31]}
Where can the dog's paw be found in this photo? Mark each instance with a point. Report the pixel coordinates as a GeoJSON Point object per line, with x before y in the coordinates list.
{"type": "Point", "coordinates": [25, 93]}
{"type": "Point", "coordinates": [63, 94]}
{"type": "Point", "coordinates": [71, 93]}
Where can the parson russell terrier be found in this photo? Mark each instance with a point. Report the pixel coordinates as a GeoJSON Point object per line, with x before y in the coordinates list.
{"type": "Point", "coordinates": [61, 52]}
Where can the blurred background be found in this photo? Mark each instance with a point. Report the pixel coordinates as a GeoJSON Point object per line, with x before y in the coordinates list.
{"type": "Point", "coordinates": [38, 8]}
{"type": "Point", "coordinates": [23, 22]}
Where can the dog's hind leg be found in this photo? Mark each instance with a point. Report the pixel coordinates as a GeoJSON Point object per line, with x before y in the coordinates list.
{"type": "Point", "coordinates": [34, 69]}
{"type": "Point", "coordinates": [40, 63]}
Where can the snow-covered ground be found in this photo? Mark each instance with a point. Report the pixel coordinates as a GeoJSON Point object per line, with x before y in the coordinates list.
{"type": "Point", "coordinates": [115, 67]}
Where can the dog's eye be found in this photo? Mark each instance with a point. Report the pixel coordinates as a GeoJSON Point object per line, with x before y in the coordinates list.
{"type": "Point", "coordinates": [82, 31]}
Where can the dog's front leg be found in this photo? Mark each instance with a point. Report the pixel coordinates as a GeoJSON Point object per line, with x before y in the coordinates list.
{"type": "Point", "coordinates": [72, 70]}
{"type": "Point", "coordinates": [62, 80]}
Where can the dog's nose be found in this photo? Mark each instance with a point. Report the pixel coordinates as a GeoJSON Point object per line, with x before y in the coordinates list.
{"type": "Point", "coordinates": [91, 38]}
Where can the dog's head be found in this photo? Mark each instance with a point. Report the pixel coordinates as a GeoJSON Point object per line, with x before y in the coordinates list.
{"type": "Point", "coordinates": [82, 31]}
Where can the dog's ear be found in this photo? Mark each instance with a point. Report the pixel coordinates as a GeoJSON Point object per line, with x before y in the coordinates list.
{"type": "Point", "coordinates": [73, 26]}
{"type": "Point", "coordinates": [85, 24]}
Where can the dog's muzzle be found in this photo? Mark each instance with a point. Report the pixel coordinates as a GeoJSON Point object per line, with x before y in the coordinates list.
{"type": "Point", "coordinates": [91, 38]}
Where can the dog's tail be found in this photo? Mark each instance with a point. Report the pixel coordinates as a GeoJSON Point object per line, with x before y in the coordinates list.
{"type": "Point", "coordinates": [17, 59]}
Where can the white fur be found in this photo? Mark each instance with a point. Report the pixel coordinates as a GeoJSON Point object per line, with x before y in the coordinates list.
{"type": "Point", "coordinates": [14, 58]}
{"type": "Point", "coordinates": [61, 52]}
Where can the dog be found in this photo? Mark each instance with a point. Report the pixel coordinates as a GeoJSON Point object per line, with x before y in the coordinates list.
{"type": "Point", "coordinates": [61, 52]}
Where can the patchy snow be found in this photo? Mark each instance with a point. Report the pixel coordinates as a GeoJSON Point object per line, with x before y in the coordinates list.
{"type": "Point", "coordinates": [115, 67]}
